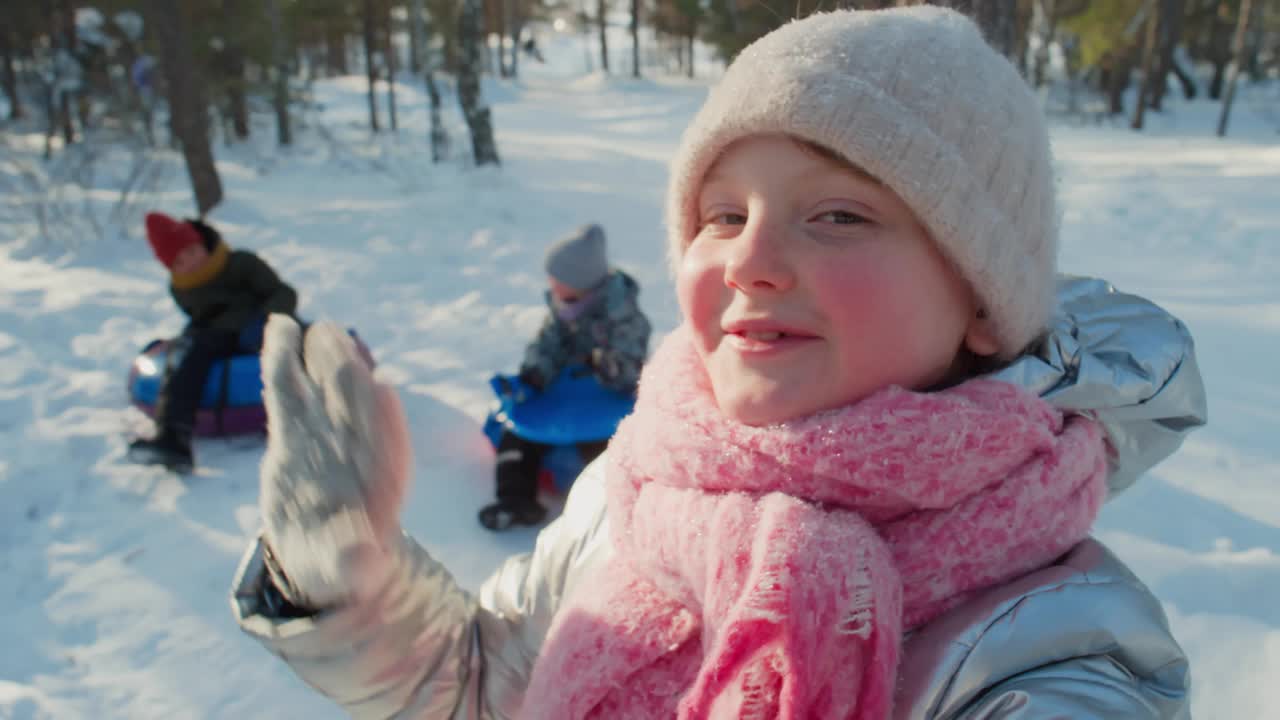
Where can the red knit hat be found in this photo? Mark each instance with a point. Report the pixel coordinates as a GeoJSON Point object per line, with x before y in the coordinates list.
{"type": "Point", "coordinates": [168, 237]}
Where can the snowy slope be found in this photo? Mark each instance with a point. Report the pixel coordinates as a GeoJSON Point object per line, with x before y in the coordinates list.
{"type": "Point", "coordinates": [115, 595]}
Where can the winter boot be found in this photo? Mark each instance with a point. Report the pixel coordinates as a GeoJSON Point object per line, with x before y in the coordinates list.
{"type": "Point", "coordinates": [170, 448]}
{"type": "Point", "coordinates": [509, 512]}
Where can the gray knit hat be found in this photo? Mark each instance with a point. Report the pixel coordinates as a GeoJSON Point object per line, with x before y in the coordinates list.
{"type": "Point", "coordinates": [579, 260]}
{"type": "Point", "coordinates": [917, 98]}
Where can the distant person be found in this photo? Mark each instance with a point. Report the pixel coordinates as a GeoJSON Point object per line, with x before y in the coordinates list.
{"type": "Point", "coordinates": [860, 475]}
{"type": "Point", "coordinates": [226, 295]}
{"type": "Point", "coordinates": [531, 49]}
{"type": "Point", "coordinates": [594, 321]}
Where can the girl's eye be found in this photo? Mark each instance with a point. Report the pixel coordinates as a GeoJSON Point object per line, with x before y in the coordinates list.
{"type": "Point", "coordinates": [841, 217]}
{"type": "Point", "coordinates": [727, 219]}
{"type": "Point", "coordinates": [721, 223]}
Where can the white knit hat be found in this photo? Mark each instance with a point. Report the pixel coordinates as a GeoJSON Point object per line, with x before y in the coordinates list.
{"type": "Point", "coordinates": [915, 97]}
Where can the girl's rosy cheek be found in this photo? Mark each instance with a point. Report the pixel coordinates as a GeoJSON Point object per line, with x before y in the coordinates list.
{"type": "Point", "coordinates": [699, 287]}
{"type": "Point", "coordinates": [846, 286]}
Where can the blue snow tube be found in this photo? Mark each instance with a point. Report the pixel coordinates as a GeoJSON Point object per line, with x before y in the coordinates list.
{"type": "Point", "coordinates": [231, 403]}
{"type": "Point", "coordinates": [574, 408]}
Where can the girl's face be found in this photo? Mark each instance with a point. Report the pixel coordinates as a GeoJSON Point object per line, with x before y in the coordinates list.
{"type": "Point", "coordinates": [562, 292]}
{"type": "Point", "coordinates": [810, 285]}
{"type": "Point", "coordinates": [190, 258]}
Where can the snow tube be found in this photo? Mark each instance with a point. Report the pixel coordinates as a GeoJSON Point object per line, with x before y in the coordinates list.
{"type": "Point", "coordinates": [573, 409]}
{"type": "Point", "coordinates": [232, 399]}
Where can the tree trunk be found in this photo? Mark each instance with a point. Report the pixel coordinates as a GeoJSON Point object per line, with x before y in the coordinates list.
{"type": "Point", "coordinates": [63, 31]}
{"type": "Point", "coordinates": [635, 37]}
{"type": "Point", "coordinates": [1184, 78]}
{"type": "Point", "coordinates": [415, 52]}
{"type": "Point", "coordinates": [1071, 61]}
{"type": "Point", "coordinates": [1115, 79]}
{"type": "Point", "coordinates": [1020, 22]}
{"type": "Point", "coordinates": [679, 43]}
{"type": "Point", "coordinates": [1171, 14]}
{"type": "Point", "coordinates": [693, 37]}
{"type": "Point", "coordinates": [439, 140]}
{"type": "Point", "coordinates": [335, 48]}
{"type": "Point", "coordinates": [735, 23]}
{"type": "Point", "coordinates": [417, 37]}
{"type": "Point", "coordinates": [228, 65]}
{"type": "Point", "coordinates": [1254, 41]}
{"type": "Point", "coordinates": [601, 8]}
{"type": "Point", "coordinates": [1219, 50]}
{"type": "Point", "coordinates": [370, 63]}
{"type": "Point", "coordinates": [586, 38]}
{"type": "Point", "coordinates": [236, 99]}
{"type": "Point", "coordinates": [64, 112]}
{"type": "Point", "coordinates": [390, 55]}
{"type": "Point", "coordinates": [449, 30]}
{"type": "Point", "coordinates": [517, 28]}
{"type": "Point", "coordinates": [188, 109]}
{"type": "Point", "coordinates": [417, 28]}
{"type": "Point", "coordinates": [280, 84]}
{"type": "Point", "coordinates": [1002, 19]}
{"type": "Point", "coordinates": [1219, 77]}
{"type": "Point", "coordinates": [1048, 9]}
{"type": "Point", "coordinates": [1237, 49]}
{"type": "Point", "coordinates": [470, 38]}
{"type": "Point", "coordinates": [1148, 64]}
{"type": "Point", "coordinates": [7, 75]}
{"type": "Point", "coordinates": [519, 21]}
{"type": "Point", "coordinates": [494, 21]}
{"type": "Point", "coordinates": [51, 120]}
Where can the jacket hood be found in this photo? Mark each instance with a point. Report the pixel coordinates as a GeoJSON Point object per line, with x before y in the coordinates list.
{"type": "Point", "coordinates": [1124, 361]}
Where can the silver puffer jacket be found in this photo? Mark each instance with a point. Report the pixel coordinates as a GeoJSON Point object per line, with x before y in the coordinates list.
{"type": "Point", "coordinates": [1082, 638]}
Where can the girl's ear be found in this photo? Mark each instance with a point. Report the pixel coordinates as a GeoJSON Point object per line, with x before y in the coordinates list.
{"type": "Point", "coordinates": [980, 337]}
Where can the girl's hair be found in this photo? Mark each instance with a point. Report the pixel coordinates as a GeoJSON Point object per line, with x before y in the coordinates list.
{"type": "Point", "coordinates": [208, 235]}
{"type": "Point", "coordinates": [825, 153]}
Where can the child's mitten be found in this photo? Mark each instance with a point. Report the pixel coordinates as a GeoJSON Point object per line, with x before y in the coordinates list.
{"type": "Point", "coordinates": [336, 466]}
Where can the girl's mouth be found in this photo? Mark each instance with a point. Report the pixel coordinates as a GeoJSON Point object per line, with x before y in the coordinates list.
{"type": "Point", "coordinates": [762, 342]}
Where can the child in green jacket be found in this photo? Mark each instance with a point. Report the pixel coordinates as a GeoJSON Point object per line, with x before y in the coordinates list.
{"type": "Point", "coordinates": [227, 295]}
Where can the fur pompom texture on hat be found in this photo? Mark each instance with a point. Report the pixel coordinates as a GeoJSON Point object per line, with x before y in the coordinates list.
{"type": "Point", "coordinates": [916, 98]}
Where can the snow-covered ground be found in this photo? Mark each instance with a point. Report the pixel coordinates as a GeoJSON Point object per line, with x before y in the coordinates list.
{"type": "Point", "coordinates": [114, 601]}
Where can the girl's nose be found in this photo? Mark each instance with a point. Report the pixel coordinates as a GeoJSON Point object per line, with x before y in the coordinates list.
{"type": "Point", "coordinates": [757, 260]}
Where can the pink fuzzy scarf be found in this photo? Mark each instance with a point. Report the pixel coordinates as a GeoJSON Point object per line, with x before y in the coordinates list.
{"type": "Point", "coordinates": [769, 572]}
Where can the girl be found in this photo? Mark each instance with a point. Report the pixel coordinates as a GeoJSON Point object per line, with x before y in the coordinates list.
{"type": "Point", "coordinates": [860, 475]}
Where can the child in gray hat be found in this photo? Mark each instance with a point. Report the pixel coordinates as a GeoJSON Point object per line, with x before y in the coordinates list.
{"type": "Point", "coordinates": [594, 320]}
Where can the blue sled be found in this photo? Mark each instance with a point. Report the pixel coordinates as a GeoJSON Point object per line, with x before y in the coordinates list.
{"type": "Point", "coordinates": [231, 402]}
{"type": "Point", "coordinates": [573, 409]}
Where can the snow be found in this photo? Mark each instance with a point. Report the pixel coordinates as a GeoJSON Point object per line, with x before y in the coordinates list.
{"type": "Point", "coordinates": [116, 577]}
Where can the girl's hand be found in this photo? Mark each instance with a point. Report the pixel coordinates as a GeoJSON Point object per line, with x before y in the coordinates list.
{"type": "Point", "coordinates": [336, 467]}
